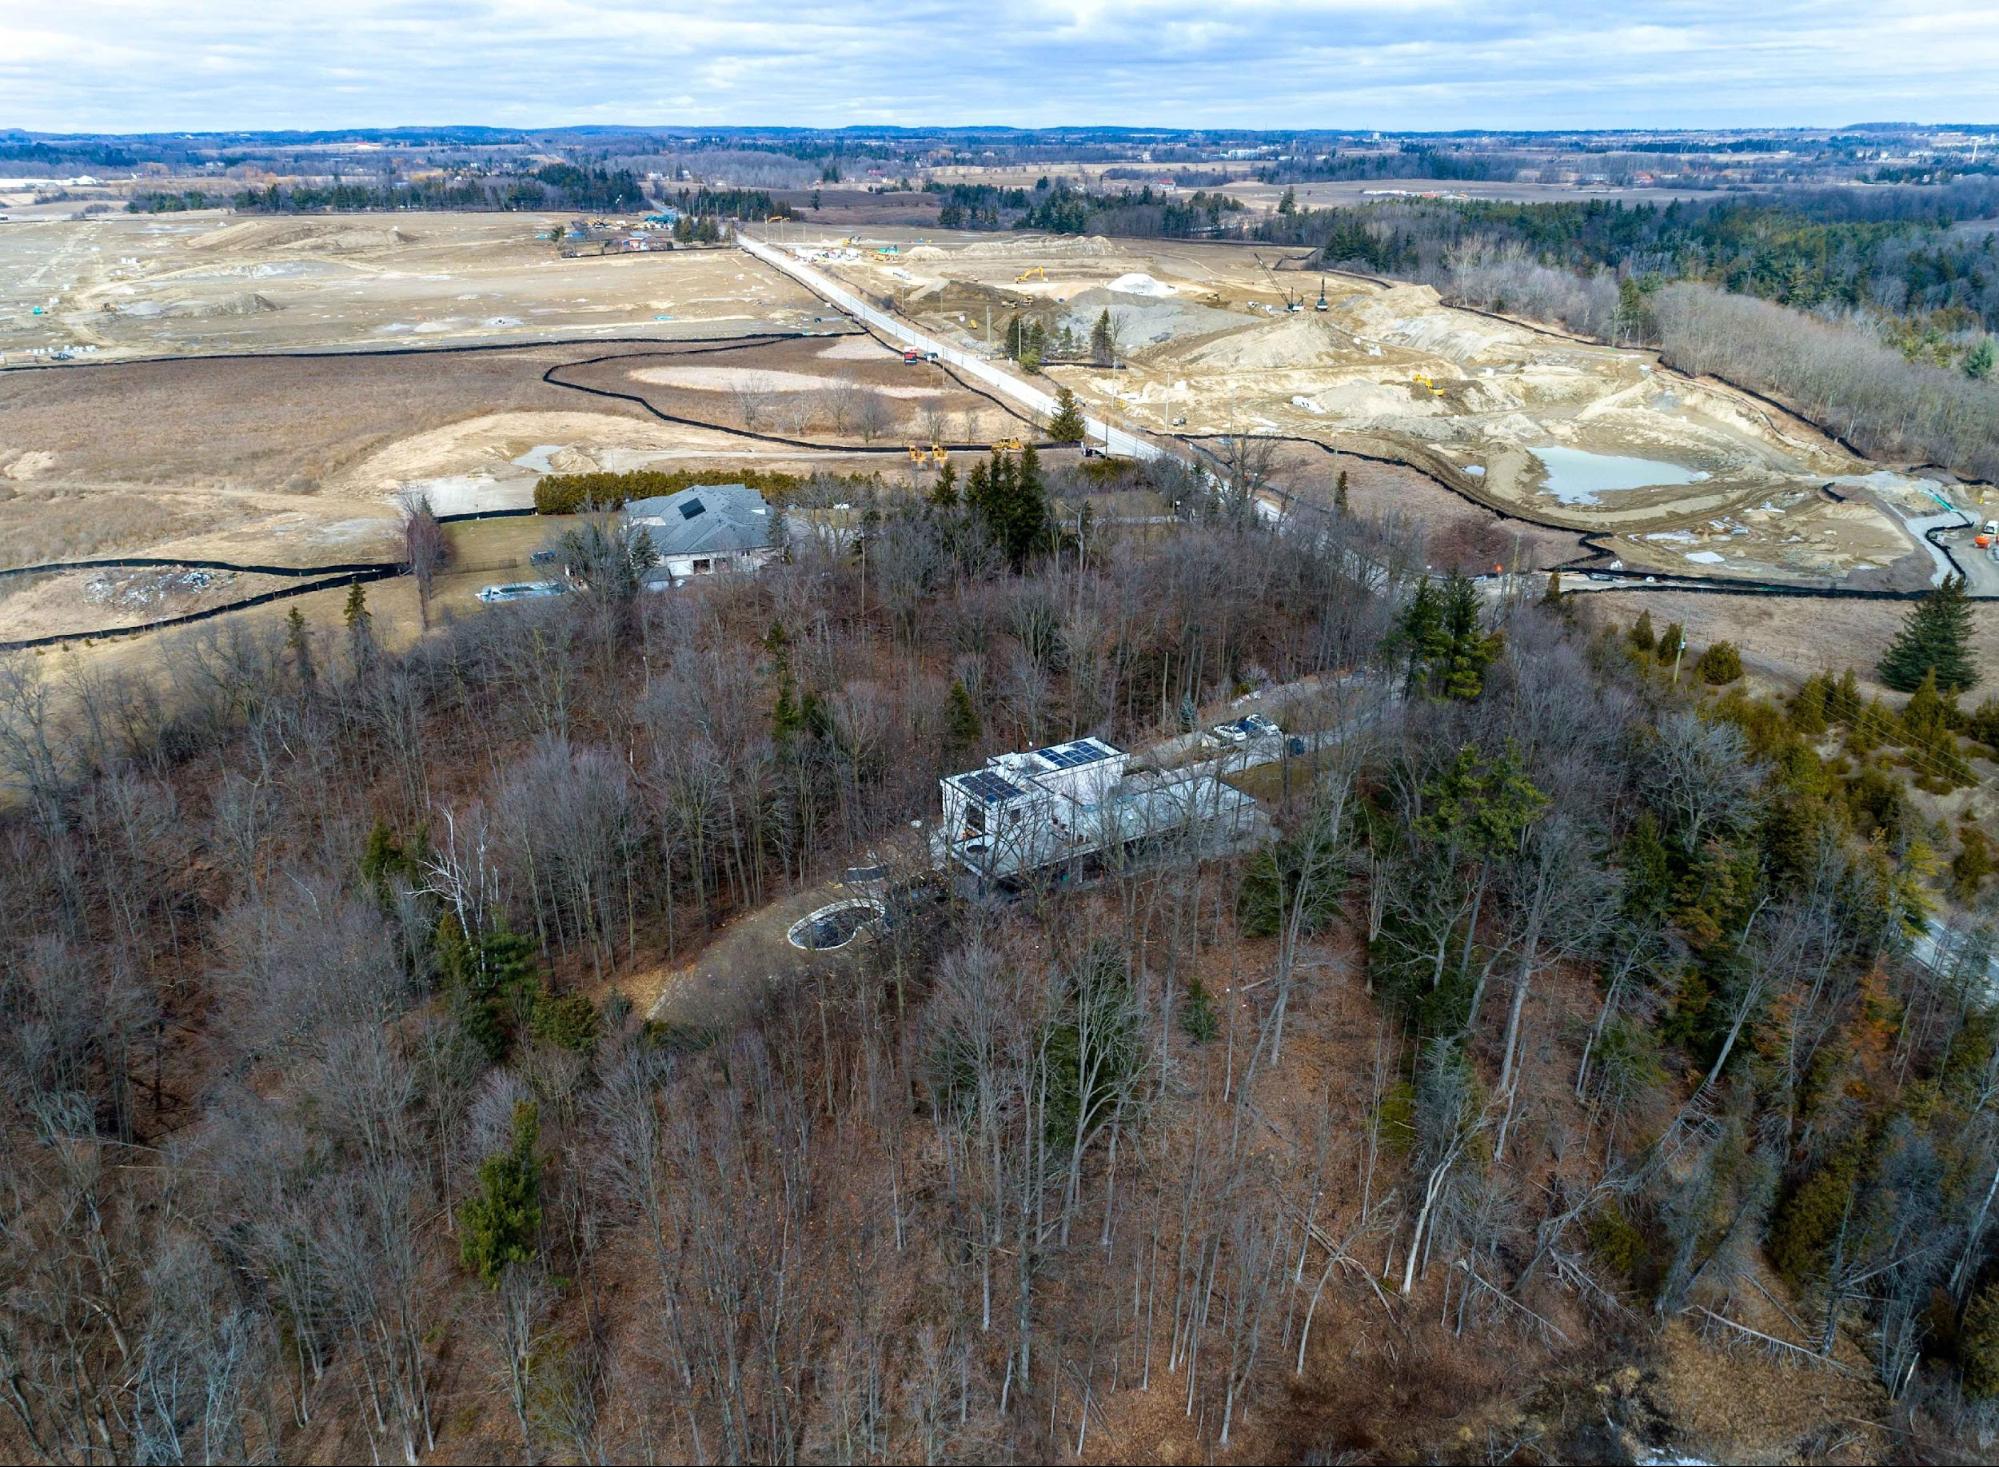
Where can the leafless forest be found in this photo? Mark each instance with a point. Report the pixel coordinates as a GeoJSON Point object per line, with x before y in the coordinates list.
{"type": "Point", "coordinates": [1564, 1026]}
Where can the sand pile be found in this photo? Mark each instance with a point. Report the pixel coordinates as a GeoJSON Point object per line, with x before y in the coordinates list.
{"type": "Point", "coordinates": [1374, 404]}
{"type": "Point", "coordinates": [1290, 342]}
{"type": "Point", "coordinates": [1139, 283]}
{"type": "Point", "coordinates": [1033, 246]}
{"type": "Point", "coordinates": [1144, 320]}
{"type": "Point", "coordinates": [240, 303]}
{"type": "Point", "coordinates": [1414, 316]}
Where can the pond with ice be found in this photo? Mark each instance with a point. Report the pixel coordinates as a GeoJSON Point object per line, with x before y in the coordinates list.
{"type": "Point", "coordinates": [1577, 476]}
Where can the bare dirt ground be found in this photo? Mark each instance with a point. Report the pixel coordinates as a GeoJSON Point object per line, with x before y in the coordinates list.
{"type": "Point", "coordinates": [149, 285]}
{"type": "Point", "coordinates": [1786, 641]}
{"type": "Point", "coordinates": [121, 596]}
{"type": "Point", "coordinates": [810, 389]}
{"type": "Point", "coordinates": [1458, 534]}
{"type": "Point", "coordinates": [299, 460]}
{"type": "Point", "coordinates": [1682, 474]}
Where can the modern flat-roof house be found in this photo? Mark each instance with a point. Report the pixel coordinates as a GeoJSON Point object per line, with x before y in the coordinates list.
{"type": "Point", "coordinates": [699, 531]}
{"type": "Point", "coordinates": [1044, 810]}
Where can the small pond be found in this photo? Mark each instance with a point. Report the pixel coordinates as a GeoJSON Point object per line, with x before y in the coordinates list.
{"type": "Point", "coordinates": [1577, 476]}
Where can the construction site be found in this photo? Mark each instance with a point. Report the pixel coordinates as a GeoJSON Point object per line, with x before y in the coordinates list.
{"type": "Point", "coordinates": [1664, 473]}
{"type": "Point", "coordinates": [335, 366]}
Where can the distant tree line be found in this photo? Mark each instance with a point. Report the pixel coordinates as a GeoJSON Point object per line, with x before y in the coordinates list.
{"type": "Point", "coordinates": [555, 186]}
{"type": "Point", "coordinates": [1892, 251]}
{"type": "Point", "coordinates": [1059, 208]}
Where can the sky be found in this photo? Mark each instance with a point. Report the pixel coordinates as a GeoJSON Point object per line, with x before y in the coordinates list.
{"type": "Point", "coordinates": [1404, 65]}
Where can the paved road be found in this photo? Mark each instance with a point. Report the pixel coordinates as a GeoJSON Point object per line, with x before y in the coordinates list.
{"type": "Point", "coordinates": [1115, 440]}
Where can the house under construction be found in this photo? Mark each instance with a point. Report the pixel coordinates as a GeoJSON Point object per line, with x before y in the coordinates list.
{"type": "Point", "coordinates": [1058, 813]}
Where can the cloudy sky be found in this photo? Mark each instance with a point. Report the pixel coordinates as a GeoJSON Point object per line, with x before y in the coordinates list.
{"type": "Point", "coordinates": [152, 65]}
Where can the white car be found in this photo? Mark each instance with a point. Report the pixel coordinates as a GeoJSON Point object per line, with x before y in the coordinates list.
{"type": "Point", "coordinates": [1241, 731]}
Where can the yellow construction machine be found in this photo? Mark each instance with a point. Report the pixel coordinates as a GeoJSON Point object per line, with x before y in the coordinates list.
{"type": "Point", "coordinates": [1038, 272]}
{"type": "Point", "coordinates": [936, 453]}
{"type": "Point", "coordinates": [1009, 445]}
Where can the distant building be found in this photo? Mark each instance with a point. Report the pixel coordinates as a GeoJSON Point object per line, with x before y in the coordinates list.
{"type": "Point", "coordinates": [700, 531]}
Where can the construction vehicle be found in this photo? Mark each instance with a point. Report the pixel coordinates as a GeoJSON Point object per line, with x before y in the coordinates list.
{"type": "Point", "coordinates": [936, 453]}
{"type": "Point", "coordinates": [911, 357]}
{"type": "Point", "coordinates": [1038, 272]}
{"type": "Point", "coordinates": [1292, 301]}
{"type": "Point", "coordinates": [1320, 304]}
{"type": "Point", "coordinates": [1009, 445]}
{"type": "Point", "coordinates": [1422, 380]}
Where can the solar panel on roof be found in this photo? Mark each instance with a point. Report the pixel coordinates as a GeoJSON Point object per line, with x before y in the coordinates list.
{"type": "Point", "coordinates": [988, 786]}
{"type": "Point", "coordinates": [1074, 755]}
{"type": "Point", "coordinates": [691, 508]}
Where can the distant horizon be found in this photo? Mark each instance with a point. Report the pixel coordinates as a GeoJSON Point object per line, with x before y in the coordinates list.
{"type": "Point", "coordinates": [1432, 66]}
{"type": "Point", "coordinates": [1166, 129]}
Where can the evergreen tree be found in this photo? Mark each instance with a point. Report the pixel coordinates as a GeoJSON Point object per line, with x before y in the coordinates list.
{"type": "Point", "coordinates": [961, 720]}
{"type": "Point", "coordinates": [1935, 638]}
{"type": "Point", "coordinates": [1635, 321]}
{"type": "Point", "coordinates": [1641, 636]}
{"type": "Point", "coordinates": [501, 1224]}
{"type": "Point", "coordinates": [1340, 494]}
{"type": "Point", "coordinates": [1842, 703]}
{"type": "Point", "coordinates": [298, 642]}
{"type": "Point", "coordinates": [1978, 361]}
{"type": "Point", "coordinates": [979, 490]}
{"type": "Point", "coordinates": [1103, 341]}
{"type": "Point", "coordinates": [1808, 707]}
{"type": "Point", "coordinates": [1928, 731]}
{"type": "Point", "coordinates": [944, 493]}
{"type": "Point", "coordinates": [1672, 644]}
{"type": "Point", "coordinates": [1067, 424]}
{"type": "Point", "coordinates": [491, 982]}
{"type": "Point", "coordinates": [1419, 633]}
{"type": "Point", "coordinates": [360, 628]}
{"type": "Point", "coordinates": [1197, 1013]}
{"type": "Point", "coordinates": [1971, 865]}
{"type": "Point", "coordinates": [1026, 509]}
{"type": "Point", "coordinates": [1553, 597]}
{"type": "Point", "coordinates": [1470, 649]}
{"type": "Point", "coordinates": [1288, 205]}
{"type": "Point", "coordinates": [1721, 663]}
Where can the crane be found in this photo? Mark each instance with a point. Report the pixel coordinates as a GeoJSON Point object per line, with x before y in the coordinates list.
{"type": "Point", "coordinates": [1321, 304]}
{"type": "Point", "coordinates": [1291, 302]}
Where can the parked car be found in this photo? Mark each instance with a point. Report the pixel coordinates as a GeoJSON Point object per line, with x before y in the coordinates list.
{"type": "Point", "coordinates": [1240, 731]}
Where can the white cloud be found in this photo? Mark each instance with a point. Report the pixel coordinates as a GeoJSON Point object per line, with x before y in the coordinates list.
{"type": "Point", "coordinates": [1435, 64]}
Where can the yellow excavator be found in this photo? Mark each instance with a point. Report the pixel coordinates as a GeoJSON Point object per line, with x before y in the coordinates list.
{"type": "Point", "coordinates": [1009, 445]}
{"type": "Point", "coordinates": [1038, 272]}
{"type": "Point", "coordinates": [1422, 379]}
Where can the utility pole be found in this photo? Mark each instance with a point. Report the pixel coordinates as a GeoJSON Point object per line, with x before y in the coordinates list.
{"type": "Point", "coordinates": [1678, 652]}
